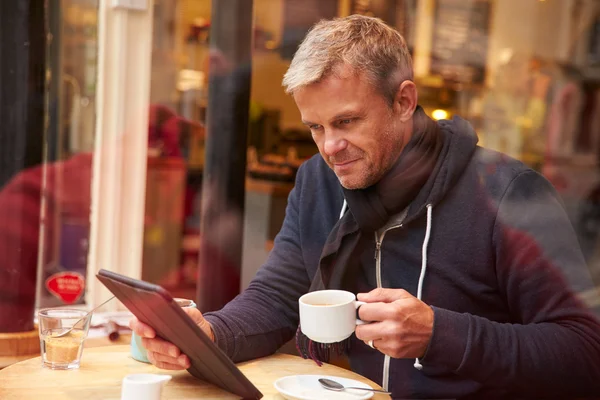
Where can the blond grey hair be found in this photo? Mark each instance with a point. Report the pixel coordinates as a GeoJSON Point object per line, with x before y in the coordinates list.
{"type": "Point", "coordinates": [367, 45]}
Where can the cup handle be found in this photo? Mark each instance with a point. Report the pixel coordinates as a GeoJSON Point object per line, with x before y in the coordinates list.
{"type": "Point", "coordinates": [357, 304]}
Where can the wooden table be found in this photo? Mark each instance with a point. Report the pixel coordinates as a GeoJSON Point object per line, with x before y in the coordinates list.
{"type": "Point", "coordinates": [103, 368]}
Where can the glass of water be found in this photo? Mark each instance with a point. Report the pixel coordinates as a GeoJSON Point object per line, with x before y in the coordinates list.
{"type": "Point", "coordinates": [60, 350]}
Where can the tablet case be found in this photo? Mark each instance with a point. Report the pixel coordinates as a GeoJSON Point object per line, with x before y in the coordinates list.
{"type": "Point", "coordinates": [154, 306]}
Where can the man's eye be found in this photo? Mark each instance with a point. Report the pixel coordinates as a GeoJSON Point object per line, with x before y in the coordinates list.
{"type": "Point", "coordinates": [345, 121]}
{"type": "Point", "coordinates": [315, 127]}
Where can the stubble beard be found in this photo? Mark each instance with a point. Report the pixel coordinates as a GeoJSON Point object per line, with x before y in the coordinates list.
{"type": "Point", "coordinates": [369, 176]}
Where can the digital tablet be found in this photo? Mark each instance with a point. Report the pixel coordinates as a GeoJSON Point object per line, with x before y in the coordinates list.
{"type": "Point", "coordinates": [154, 306]}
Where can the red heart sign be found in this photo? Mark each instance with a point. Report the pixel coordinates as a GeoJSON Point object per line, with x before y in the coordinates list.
{"type": "Point", "coordinates": [66, 286]}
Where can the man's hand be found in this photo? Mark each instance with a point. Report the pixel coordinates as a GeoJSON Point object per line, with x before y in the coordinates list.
{"type": "Point", "coordinates": [164, 354]}
{"type": "Point", "coordinates": [401, 325]}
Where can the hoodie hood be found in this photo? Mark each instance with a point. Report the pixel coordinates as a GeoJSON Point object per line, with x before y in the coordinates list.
{"type": "Point", "coordinates": [460, 142]}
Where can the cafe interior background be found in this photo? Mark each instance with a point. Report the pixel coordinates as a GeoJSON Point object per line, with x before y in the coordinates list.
{"type": "Point", "coordinates": [122, 171]}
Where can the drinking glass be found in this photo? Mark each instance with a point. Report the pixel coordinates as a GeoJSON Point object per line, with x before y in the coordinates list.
{"type": "Point", "coordinates": [62, 352]}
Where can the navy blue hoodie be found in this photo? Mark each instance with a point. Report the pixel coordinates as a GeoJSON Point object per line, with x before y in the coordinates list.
{"type": "Point", "coordinates": [503, 269]}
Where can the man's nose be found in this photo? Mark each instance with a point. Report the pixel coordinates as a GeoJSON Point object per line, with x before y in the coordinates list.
{"type": "Point", "coordinates": [334, 144]}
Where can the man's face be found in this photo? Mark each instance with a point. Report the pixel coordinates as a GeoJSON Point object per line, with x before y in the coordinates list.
{"type": "Point", "coordinates": [354, 127]}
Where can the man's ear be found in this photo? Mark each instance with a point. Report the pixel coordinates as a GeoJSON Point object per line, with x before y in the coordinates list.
{"type": "Point", "coordinates": [405, 101]}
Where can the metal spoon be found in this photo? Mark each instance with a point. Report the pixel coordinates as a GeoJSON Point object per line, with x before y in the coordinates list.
{"type": "Point", "coordinates": [338, 387]}
{"type": "Point", "coordinates": [82, 318]}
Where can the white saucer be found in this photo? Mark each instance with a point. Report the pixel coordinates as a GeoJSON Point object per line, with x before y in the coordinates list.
{"type": "Point", "coordinates": [307, 387]}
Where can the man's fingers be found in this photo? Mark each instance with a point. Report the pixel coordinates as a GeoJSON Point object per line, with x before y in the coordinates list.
{"type": "Point", "coordinates": [164, 362]}
{"type": "Point", "coordinates": [383, 295]}
{"type": "Point", "coordinates": [182, 361]}
{"type": "Point", "coordinates": [141, 329]}
{"type": "Point", "coordinates": [375, 344]}
{"type": "Point", "coordinates": [372, 331]}
{"type": "Point", "coordinates": [376, 312]}
{"type": "Point", "coordinates": [157, 345]}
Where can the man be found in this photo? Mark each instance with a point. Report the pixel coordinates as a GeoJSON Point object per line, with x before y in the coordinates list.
{"type": "Point", "coordinates": [458, 251]}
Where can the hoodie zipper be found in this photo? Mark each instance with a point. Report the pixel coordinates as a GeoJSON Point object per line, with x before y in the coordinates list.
{"type": "Point", "coordinates": [378, 240]}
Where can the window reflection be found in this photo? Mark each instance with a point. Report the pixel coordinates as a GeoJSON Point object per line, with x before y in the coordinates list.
{"type": "Point", "coordinates": [45, 201]}
{"type": "Point", "coordinates": [481, 60]}
{"type": "Point", "coordinates": [66, 200]}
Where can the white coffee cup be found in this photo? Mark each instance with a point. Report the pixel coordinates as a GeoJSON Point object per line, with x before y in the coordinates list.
{"type": "Point", "coordinates": [143, 386]}
{"type": "Point", "coordinates": [329, 316]}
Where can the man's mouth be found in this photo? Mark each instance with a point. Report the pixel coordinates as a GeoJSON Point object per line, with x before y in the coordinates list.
{"type": "Point", "coordinates": [344, 166]}
{"type": "Point", "coordinates": [341, 164]}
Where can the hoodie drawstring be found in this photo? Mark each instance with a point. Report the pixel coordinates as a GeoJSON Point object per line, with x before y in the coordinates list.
{"type": "Point", "coordinates": [344, 207]}
{"type": "Point", "coordinates": [418, 364]}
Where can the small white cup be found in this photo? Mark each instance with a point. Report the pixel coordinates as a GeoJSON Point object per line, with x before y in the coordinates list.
{"type": "Point", "coordinates": [329, 316]}
{"type": "Point", "coordinates": [143, 386]}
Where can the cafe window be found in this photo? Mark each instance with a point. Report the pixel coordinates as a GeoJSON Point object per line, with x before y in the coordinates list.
{"type": "Point", "coordinates": [49, 59]}
{"type": "Point", "coordinates": [525, 73]}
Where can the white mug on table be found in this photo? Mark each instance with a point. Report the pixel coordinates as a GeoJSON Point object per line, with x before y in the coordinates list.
{"type": "Point", "coordinates": [329, 316]}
